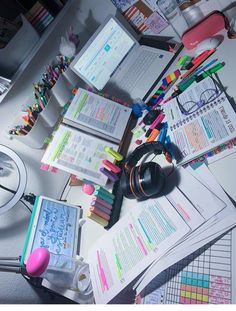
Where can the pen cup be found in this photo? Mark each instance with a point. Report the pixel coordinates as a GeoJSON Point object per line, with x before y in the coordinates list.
{"type": "Point", "coordinates": [37, 135]}
{"type": "Point", "coordinates": [62, 91]}
{"type": "Point", "coordinates": [51, 112]}
{"type": "Point", "coordinates": [72, 80]}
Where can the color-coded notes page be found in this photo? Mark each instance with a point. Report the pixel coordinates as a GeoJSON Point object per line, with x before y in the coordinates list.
{"type": "Point", "coordinates": [78, 154]}
{"type": "Point", "coordinates": [141, 236]}
{"type": "Point", "coordinates": [206, 277]}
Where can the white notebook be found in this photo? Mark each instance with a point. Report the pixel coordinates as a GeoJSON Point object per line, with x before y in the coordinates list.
{"type": "Point", "coordinates": [209, 126]}
{"type": "Point", "coordinates": [98, 116]}
{"type": "Point", "coordinates": [78, 153]}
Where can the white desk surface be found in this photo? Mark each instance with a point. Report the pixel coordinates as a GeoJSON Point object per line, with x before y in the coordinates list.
{"type": "Point", "coordinates": [224, 169]}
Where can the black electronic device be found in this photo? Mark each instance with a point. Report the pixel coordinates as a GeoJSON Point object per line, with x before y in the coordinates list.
{"type": "Point", "coordinates": [147, 179]}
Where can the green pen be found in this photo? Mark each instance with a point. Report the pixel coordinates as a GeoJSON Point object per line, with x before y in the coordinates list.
{"type": "Point", "coordinates": [210, 71]}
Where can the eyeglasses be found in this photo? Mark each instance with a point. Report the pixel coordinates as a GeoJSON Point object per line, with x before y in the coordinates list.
{"type": "Point", "coordinates": [206, 97]}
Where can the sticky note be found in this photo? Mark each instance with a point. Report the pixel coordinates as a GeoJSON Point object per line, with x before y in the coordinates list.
{"type": "Point", "coordinates": [172, 76]}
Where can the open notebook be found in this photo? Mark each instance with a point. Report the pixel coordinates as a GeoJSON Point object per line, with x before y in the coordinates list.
{"type": "Point", "coordinates": [98, 116]}
{"type": "Point", "coordinates": [200, 119]}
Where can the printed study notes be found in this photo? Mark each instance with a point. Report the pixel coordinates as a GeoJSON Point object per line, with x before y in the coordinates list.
{"type": "Point", "coordinates": [144, 234]}
{"type": "Point", "coordinates": [90, 124]}
{"type": "Point", "coordinates": [78, 153]}
{"type": "Point", "coordinates": [200, 119]}
{"type": "Point", "coordinates": [97, 115]}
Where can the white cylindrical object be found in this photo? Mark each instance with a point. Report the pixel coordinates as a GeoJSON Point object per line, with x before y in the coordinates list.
{"type": "Point", "coordinates": [62, 91]}
{"type": "Point", "coordinates": [37, 135]}
{"type": "Point", "coordinates": [51, 112]}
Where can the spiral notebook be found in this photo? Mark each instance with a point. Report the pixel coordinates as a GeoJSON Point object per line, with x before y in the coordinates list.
{"type": "Point", "coordinates": [199, 120]}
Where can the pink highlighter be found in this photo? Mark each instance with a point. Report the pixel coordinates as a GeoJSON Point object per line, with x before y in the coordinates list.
{"type": "Point", "coordinates": [114, 168]}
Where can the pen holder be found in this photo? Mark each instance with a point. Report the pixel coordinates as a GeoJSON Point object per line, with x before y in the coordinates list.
{"type": "Point", "coordinates": [51, 112]}
{"type": "Point", "coordinates": [62, 90]}
{"type": "Point", "coordinates": [37, 135]}
{"type": "Point", "coordinates": [71, 78]}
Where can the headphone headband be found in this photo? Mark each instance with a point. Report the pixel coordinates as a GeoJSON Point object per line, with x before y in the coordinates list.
{"type": "Point", "coordinates": [155, 147]}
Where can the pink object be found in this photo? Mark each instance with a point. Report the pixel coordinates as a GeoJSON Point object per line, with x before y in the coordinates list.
{"type": "Point", "coordinates": [38, 261]}
{"type": "Point", "coordinates": [44, 167]}
{"type": "Point", "coordinates": [157, 120]}
{"type": "Point", "coordinates": [102, 202]}
{"type": "Point", "coordinates": [138, 142]}
{"type": "Point", "coordinates": [204, 29]}
{"type": "Point", "coordinates": [114, 168]}
{"type": "Point", "coordinates": [88, 189]}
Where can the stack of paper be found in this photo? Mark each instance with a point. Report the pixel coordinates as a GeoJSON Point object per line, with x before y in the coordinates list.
{"type": "Point", "coordinates": [159, 232]}
{"type": "Point", "coordinates": [215, 224]}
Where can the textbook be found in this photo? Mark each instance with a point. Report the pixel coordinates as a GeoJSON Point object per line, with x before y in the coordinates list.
{"type": "Point", "coordinates": [199, 120]}
{"type": "Point", "coordinates": [98, 116]}
{"type": "Point", "coordinates": [78, 153]}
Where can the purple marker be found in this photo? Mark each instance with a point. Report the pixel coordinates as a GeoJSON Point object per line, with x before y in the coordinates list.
{"type": "Point", "coordinates": [112, 176]}
{"type": "Point", "coordinates": [102, 202]}
{"type": "Point", "coordinates": [101, 207]}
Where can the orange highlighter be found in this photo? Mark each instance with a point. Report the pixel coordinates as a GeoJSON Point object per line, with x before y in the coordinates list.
{"type": "Point", "coordinates": [153, 135]}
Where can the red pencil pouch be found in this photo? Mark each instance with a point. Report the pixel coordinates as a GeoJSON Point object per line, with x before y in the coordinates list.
{"type": "Point", "coordinates": [206, 28]}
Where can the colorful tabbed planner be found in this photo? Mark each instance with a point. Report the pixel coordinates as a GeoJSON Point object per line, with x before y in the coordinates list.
{"type": "Point", "coordinates": [204, 278]}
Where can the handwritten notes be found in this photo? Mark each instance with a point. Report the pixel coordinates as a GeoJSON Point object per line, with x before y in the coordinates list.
{"type": "Point", "coordinates": [56, 228]}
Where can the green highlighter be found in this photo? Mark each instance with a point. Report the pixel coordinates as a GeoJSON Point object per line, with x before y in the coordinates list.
{"type": "Point", "coordinates": [210, 71]}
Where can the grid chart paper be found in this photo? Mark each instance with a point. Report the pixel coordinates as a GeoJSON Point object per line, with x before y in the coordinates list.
{"type": "Point", "coordinates": [204, 278]}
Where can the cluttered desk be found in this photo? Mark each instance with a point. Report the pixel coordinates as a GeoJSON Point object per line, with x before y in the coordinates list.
{"type": "Point", "coordinates": [160, 205]}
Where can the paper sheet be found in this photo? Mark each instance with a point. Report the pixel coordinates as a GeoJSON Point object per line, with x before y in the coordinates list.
{"type": "Point", "coordinates": [206, 276]}
{"type": "Point", "coordinates": [141, 236]}
{"type": "Point", "coordinates": [226, 220]}
{"type": "Point", "coordinates": [209, 126]}
{"type": "Point", "coordinates": [78, 154]}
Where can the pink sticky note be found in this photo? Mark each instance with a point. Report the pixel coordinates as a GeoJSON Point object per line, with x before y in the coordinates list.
{"type": "Point", "coordinates": [54, 169]}
{"type": "Point", "coordinates": [44, 167]}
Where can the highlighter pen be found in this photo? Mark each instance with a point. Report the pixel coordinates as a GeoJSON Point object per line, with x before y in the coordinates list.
{"type": "Point", "coordinates": [101, 207]}
{"type": "Point", "coordinates": [184, 85]}
{"type": "Point", "coordinates": [157, 121]}
{"type": "Point", "coordinates": [114, 168]}
{"type": "Point", "coordinates": [154, 133]}
{"type": "Point", "coordinates": [210, 52]}
{"type": "Point", "coordinates": [210, 71]}
{"type": "Point", "coordinates": [196, 60]}
{"type": "Point", "coordinates": [99, 212]}
{"type": "Point", "coordinates": [110, 175]}
{"type": "Point", "coordinates": [97, 218]}
{"type": "Point", "coordinates": [97, 200]}
{"type": "Point", "coordinates": [103, 197]}
{"type": "Point", "coordinates": [104, 191]}
{"type": "Point", "coordinates": [113, 153]}
{"type": "Point", "coordinates": [200, 57]}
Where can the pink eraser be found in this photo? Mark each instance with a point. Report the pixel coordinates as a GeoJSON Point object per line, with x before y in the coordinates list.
{"type": "Point", "coordinates": [88, 188]}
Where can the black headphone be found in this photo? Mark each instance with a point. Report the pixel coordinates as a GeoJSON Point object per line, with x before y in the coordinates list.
{"type": "Point", "coordinates": [147, 179]}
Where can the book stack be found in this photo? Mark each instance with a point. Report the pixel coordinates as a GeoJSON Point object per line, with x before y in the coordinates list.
{"type": "Point", "coordinates": [39, 17]}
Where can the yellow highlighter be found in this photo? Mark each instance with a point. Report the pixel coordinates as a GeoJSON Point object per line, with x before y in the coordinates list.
{"type": "Point", "coordinates": [97, 218]}
{"type": "Point", "coordinates": [117, 156]}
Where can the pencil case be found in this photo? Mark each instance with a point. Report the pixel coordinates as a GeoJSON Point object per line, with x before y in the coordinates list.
{"type": "Point", "coordinates": [206, 28]}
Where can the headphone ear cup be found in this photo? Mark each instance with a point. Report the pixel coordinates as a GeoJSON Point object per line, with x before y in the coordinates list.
{"type": "Point", "coordinates": [136, 183]}
{"type": "Point", "coordinates": [152, 179]}
{"type": "Point", "coordinates": [125, 186]}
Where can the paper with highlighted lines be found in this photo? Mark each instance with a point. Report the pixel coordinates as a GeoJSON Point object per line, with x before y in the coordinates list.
{"type": "Point", "coordinates": [141, 236]}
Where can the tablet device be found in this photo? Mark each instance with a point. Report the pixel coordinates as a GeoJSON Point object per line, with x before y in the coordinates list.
{"type": "Point", "coordinates": [53, 225]}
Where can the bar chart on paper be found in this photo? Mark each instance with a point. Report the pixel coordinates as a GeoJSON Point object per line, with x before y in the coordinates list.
{"type": "Point", "coordinates": [205, 277]}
